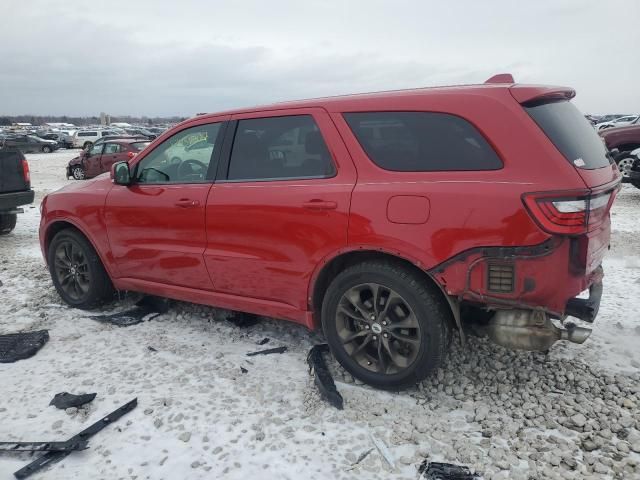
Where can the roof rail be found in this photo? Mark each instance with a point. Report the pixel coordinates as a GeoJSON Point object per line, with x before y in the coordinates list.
{"type": "Point", "coordinates": [501, 78]}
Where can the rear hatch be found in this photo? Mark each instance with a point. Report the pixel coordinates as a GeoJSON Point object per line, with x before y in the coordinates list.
{"type": "Point", "coordinates": [13, 176]}
{"type": "Point", "coordinates": [582, 214]}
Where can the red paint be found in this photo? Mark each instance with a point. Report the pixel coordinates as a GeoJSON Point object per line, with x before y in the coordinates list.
{"type": "Point", "coordinates": [259, 246]}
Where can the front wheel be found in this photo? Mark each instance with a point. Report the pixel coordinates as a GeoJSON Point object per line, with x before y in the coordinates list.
{"type": "Point", "coordinates": [77, 272]}
{"type": "Point", "coordinates": [78, 173]}
{"type": "Point", "coordinates": [7, 223]}
{"type": "Point", "coordinates": [625, 167]}
{"type": "Point", "coordinates": [385, 325]}
{"type": "Point", "coordinates": [46, 149]}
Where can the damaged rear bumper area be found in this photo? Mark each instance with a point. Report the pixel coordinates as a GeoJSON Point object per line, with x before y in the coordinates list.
{"type": "Point", "coordinates": [525, 288]}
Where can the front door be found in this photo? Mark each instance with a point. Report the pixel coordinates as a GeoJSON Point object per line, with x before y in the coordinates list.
{"type": "Point", "coordinates": [91, 161]}
{"type": "Point", "coordinates": [112, 153]}
{"type": "Point", "coordinates": [279, 206]}
{"type": "Point", "coordinates": [156, 226]}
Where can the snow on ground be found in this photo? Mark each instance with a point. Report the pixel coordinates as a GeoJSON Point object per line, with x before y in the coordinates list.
{"type": "Point", "coordinates": [571, 414]}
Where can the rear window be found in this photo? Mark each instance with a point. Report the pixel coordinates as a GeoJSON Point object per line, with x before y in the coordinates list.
{"type": "Point", "coordinates": [571, 133]}
{"type": "Point", "coordinates": [422, 142]}
{"type": "Point", "coordinates": [139, 145]}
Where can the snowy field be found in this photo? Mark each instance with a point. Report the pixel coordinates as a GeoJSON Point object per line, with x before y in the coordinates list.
{"type": "Point", "coordinates": [572, 414]}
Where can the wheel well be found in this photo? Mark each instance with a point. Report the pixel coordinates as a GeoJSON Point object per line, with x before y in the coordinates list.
{"type": "Point", "coordinates": [627, 147]}
{"type": "Point", "coordinates": [338, 264]}
{"type": "Point", "coordinates": [54, 229]}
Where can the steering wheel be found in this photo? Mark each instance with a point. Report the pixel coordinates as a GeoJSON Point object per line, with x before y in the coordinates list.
{"type": "Point", "coordinates": [183, 171]}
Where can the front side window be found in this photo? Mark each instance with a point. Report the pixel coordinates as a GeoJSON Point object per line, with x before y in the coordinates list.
{"type": "Point", "coordinates": [279, 148]}
{"type": "Point", "coordinates": [96, 150]}
{"type": "Point", "coordinates": [183, 158]}
{"type": "Point", "coordinates": [87, 134]}
{"type": "Point", "coordinates": [111, 148]}
{"type": "Point", "coordinates": [422, 142]}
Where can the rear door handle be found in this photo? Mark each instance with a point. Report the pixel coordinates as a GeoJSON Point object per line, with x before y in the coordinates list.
{"type": "Point", "coordinates": [317, 204]}
{"type": "Point", "coordinates": [187, 203]}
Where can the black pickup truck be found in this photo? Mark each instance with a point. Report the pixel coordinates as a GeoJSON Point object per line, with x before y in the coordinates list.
{"type": "Point", "coordinates": [15, 187]}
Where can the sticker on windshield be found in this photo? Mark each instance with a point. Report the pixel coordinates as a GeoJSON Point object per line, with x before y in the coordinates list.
{"type": "Point", "coordinates": [578, 162]}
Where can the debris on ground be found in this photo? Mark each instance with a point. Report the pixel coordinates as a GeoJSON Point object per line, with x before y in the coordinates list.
{"type": "Point", "coordinates": [151, 349]}
{"type": "Point", "coordinates": [267, 351]}
{"type": "Point", "coordinates": [445, 471]}
{"type": "Point", "coordinates": [242, 319]}
{"type": "Point", "coordinates": [42, 446]}
{"type": "Point", "coordinates": [18, 346]}
{"type": "Point", "coordinates": [243, 370]}
{"type": "Point", "coordinates": [66, 400]}
{"type": "Point", "coordinates": [383, 450]}
{"type": "Point", "coordinates": [147, 308]}
{"type": "Point", "coordinates": [264, 341]}
{"type": "Point", "coordinates": [323, 379]}
{"type": "Point", "coordinates": [55, 456]}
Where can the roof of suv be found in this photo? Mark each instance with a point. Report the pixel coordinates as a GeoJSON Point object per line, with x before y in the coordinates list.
{"type": "Point", "coordinates": [521, 92]}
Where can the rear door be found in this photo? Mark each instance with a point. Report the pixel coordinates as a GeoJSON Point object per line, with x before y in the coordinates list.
{"type": "Point", "coordinates": [92, 161]}
{"type": "Point", "coordinates": [280, 204]}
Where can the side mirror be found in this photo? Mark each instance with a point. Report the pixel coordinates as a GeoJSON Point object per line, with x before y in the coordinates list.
{"type": "Point", "coordinates": [120, 173]}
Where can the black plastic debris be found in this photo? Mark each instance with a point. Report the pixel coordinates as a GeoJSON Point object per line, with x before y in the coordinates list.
{"type": "Point", "coordinates": [151, 349]}
{"type": "Point", "coordinates": [66, 400]}
{"type": "Point", "coordinates": [18, 346]}
{"type": "Point", "coordinates": [323, 379]}
{"type": "Point", "coordinates": [267, 351]}
{"type": "Point", "coordinates": [55, 456]}
{"type": "Point", "coordinates": [243, 370]}
{"type": "Point", "coordinates": [147, 308]}
{"type": "Point", "coordinates": [264, 341]}
{"type": "Point", "coordinates": [243, 320]}
{"type": "Point", "coordinates": [445, 471]}
{"type": "Point", "coordinates": [42, 446]}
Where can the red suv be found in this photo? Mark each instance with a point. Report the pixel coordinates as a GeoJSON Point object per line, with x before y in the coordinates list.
{"type": "Point", "coordinates": [388, 219]}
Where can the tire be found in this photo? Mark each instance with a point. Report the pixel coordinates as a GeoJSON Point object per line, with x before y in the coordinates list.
{"type": "Point", "coordinates": [71, 254]}
{"type": "Point", "coordinates": [78, 173]}
{"type": "Point", "coordinates": [418, 305]}
{"type": "Point", "coordinates": [624, 165]}
{"type": "Point", "coordinates": [87, 145]}
{"type": "Point", "coordinates": [635, 183]}
{"type": "Point", "coordinates": [7, 223]}
{"type": "Point", "coordinates": [46, 149]}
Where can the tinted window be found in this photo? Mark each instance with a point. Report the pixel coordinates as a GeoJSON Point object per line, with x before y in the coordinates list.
{"type": "Point", "coordinates": [87, 134]}
{"type": "Point", "coordinates": [111, 148]}
{"type": "Point", "coordinates": [96, 149]}
{"type": "Point", "coordinates": [278, 148]}
{"type": "Point", "coordinates": [176, 161]}
{"type": "Point", "coordinates": [571, 133]}
{"type": "Point", "coordinates": [422, 141]}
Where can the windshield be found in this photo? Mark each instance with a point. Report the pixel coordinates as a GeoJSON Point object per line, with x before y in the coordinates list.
{"type": "Point", "coordinates": [571, 133]}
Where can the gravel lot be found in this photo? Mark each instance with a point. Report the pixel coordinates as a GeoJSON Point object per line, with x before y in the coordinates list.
{"type": "Point", "coordinates": [571, 414]}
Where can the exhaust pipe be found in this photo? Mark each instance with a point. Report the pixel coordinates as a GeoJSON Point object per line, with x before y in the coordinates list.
{"type": "Point", "coordinates": [530, 330]}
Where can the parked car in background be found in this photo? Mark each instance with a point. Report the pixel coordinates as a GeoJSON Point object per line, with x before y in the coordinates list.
{"type": "Point", "coordinates": [141, 132]}
{"type": "Point", "coordinates": [86, 138]}
{"type": "Point", "coordinates": [621, 141]}
{"type": "Point", "coordinates": [29, 143]}
{"type": "Point", "coordinates": [99, 158]}
{"type": "Point", "coordinates": [619, 122]}
{"type": "Point", "coordinates": [63, 140]}
{"type": "Point", "coordinates": [344, 213]}
{"type": "Point", "coordinates": [15, 187]}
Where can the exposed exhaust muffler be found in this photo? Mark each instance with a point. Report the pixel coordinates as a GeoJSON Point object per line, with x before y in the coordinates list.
{"type": "Point", "coordinates": [530, 330]}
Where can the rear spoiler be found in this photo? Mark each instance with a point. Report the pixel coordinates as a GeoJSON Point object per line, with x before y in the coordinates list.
{"type": "Point", "coordinates": [532, 93]}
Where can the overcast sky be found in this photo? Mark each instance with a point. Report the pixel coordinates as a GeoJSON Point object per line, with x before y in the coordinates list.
{"type": "Point", "coordinates": [180, 57]}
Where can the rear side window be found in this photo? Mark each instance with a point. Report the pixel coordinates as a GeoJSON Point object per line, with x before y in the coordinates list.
{"type": "Point", "coordinates": [279, 148]}
{"type": "Point", "coordinates": [139, 145]}
{"type": "Point", "coordinates": [87, 134]}
{"type": "Point", "coordinates": [422, 142]}
{"type": "Point", "coordinates": [571, 133]}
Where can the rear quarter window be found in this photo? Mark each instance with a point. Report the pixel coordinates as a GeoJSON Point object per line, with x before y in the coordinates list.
{"type": "Point", "coordinates": [422, 142]}
{"type": "Point", "coordinates": [571, 133]}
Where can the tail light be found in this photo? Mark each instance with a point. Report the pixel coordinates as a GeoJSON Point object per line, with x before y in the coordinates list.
{"type": "Point", "coordinates": [569, 213]}
{"type": "Point", "coordinates": [131, 155]}
{"type": "Point", "coordinates": [25, 171]}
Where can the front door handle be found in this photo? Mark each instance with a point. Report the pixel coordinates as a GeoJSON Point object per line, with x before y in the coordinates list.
{"type": "Point", "coordinates": [187, 203]}
{"type": "Point", "coordinates": [317, 204]}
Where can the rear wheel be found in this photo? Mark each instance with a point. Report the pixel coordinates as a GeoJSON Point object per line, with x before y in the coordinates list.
{"type": "Point", "coordinates": [385, 325]}
{"type": "Point", "coordinates": [77, 272]}
{"type": "Point", "coordinates": [46, 149]}
{"type": "Point", "coordinates": [87, 145]}
{"type": "Point", "coordinates": [78, 173]}
{"type": "Point", "coordinates": [7, 223]}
